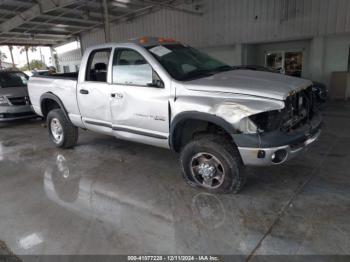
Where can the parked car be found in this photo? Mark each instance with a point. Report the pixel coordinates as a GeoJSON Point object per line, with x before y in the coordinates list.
{"type": "Point", "coordinates": [163, 93]}
{"type": "Point", "coordinates": [320, 90]}
{"type": "Point", "coordinates": [40, 72]}
{"type": "Point", "coordinates": [14, 99]}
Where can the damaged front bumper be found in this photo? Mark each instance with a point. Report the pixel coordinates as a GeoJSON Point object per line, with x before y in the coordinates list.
{"type": "Point", "coordinates": [277, 147]}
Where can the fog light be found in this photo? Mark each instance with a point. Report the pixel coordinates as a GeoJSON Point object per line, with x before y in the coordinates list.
{"type": "Point", "coordinates": [279, 156]}
{"type": "Point", "coordinates": [261, 154]}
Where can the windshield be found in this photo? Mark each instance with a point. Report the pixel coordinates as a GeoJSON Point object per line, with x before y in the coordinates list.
{"type": "Point", "coordinates": [13, 79]}
{"type": "Point", "coordinates": [185, 63]}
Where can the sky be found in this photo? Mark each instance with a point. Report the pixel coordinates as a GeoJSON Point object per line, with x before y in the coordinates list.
{"type": "Point", "coordinates": [20, 59]}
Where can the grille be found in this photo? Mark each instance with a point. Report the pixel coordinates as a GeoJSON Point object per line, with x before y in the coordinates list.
{"type": "Point", "coordinates": [19, 101]}
{"type": "Point", "coordinates": [299, 109]}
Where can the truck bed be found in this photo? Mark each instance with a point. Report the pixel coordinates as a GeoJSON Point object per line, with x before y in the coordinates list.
{"type": "Point", "coordinates": [72, 76]}
{"type": "Point", "coordinates": [61, 85]}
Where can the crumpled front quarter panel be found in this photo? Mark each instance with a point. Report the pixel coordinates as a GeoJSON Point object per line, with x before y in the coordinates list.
{"type": "Point", "coordinates": [230, 107]}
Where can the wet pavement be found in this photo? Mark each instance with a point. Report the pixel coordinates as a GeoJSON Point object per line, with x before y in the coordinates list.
{"type": "Point", "coordinates": [115, 197]}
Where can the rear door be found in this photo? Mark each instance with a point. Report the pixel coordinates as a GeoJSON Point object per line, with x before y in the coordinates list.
{"type": "Point", "coordinates": [139, 104]}
{"type": "Point", "coordinates": [94, 92]}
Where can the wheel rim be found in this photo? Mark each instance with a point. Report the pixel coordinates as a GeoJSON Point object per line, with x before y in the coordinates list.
{"type": "Point", "coordinates": [207, 170]}
{"type": "Point", "coordinates": [56, 130]}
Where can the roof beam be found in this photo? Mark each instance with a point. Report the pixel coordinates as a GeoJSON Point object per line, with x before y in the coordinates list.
{"type": "Point", "coordinates": [42, 6]}
{"type": "Point", "coordinates": [17, 3]}
{"type": "Point", "coordinates": [169, 6]}
{"type": "Point", "coordinates": [89, 14]}
{"type": "Point", "coordinates": [72, 19]}
{"type": "Point", "coordinates": [30, 35]}
{"type": "Point", "coordinates": [26, 41]}
{"type": "Point", "coordinates": [47, 30]}
{"type": "Point", "coordinates": [54, 24]}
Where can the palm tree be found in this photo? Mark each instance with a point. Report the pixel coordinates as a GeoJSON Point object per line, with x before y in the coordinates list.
{"type": "Point", "coordinates": [2, 57]}
{"type": "Point", "coordinates": [11, 53]}
{"type": "Point", "coordinates": [25, 49]}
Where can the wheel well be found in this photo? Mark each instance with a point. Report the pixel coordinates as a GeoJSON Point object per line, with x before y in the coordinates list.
{"type": "Point", "coordinates": [188, 129]}
{"type": "Point", "coordinates": [47, 105]}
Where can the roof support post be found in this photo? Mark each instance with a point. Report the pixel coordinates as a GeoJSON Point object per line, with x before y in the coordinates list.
{"type": "Point", "coordinates": [54, 59]}
{"type": "Point", "coordinates": [106, 21]}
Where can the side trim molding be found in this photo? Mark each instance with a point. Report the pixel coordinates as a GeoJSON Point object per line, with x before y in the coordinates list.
{"type": "Point", "coordinates": [98, 123]}
{"type": "Point", "coordinates": [123, 129]}
{"type": "Point", "coordinates": [137, 132]}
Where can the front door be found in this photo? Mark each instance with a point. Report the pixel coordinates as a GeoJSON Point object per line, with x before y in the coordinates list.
{"type": "Point", "coordinates": [139, 104]}
{"type": "Point", "coordinates": [94, 93]}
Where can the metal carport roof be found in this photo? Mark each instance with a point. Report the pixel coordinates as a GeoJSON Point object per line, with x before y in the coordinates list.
{"type": "Point", "coordinates": [53, 22]}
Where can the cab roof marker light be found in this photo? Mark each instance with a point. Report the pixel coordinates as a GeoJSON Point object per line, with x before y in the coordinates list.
{"type": "Point", "coordinates": [166, 40]}
{"type": "Point", "coordinates": [144, 40]}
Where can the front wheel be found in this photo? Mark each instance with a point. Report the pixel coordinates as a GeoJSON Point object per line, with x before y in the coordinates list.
{"type": "Point", "coordinates": [213, 163]}
{"type": "Point", "coordinates": [62, 133]}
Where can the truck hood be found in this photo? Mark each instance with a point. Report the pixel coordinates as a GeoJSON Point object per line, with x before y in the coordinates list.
{"type": "Point", "coordinates": [14, 91]}
{"type": "Point", "coordinates": [248, 82]}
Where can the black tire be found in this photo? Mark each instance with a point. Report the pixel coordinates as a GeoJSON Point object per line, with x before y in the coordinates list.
{"type": "Point", "coordinates": [224, 151]}
{"type": "Point", "coordinates": [69, 132]}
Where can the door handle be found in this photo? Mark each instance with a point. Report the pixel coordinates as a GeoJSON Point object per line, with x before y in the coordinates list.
{"type": "Point", "coordinates": [117, 96]}
{"type": "Point", "coordinates": [84, 91]}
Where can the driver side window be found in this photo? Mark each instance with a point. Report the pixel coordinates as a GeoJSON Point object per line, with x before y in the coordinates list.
{"type": "Point", "coordinates": [130, 68]}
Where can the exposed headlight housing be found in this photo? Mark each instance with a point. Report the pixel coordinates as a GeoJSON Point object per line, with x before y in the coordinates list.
{"type": "Point", "coordinates": [247, 126]}
{"type": "Point", "coordinates": [268, 121]}
{"type": "Point", "coordinates": [3, 101]}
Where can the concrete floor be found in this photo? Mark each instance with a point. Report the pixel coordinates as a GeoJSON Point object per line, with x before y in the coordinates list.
{"type": "Point", "coordinates": [115, 197]}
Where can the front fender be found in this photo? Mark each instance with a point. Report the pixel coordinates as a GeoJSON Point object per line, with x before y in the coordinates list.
{"type": "Point", "coordinates": [231, 109]}
{"type": "Point", "coordinates": [195, 115]}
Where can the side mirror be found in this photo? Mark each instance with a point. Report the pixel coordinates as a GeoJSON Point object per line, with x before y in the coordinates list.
{"type": "Point", "coordinates": [156, 81]}
{"type": "Point", "coordinates": [156, 84]}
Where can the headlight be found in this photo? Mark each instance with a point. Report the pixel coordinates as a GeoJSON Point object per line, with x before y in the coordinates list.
{"type": "Point", "coordinates": [3, 101]}
{"type": "Point", "coordinates": [267, 121]}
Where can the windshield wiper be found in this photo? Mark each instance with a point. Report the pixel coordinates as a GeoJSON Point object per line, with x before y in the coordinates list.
{"type": "Point", "coordinates": [197, 74]}
{"type": "Point", "coordinates": [223, 68]}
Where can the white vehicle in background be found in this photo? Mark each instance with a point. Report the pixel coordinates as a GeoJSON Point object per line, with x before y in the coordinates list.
{"type": "Point", "coordinates": [42, 72]}
{"type": "Point", "coordinates": [28, 73]}
{"type": "Point", "coordinates": [163, 93]}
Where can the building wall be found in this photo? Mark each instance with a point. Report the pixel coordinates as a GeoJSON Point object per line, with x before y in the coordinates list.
{"type": "Point", "coordinates": [227, 22]}
{"type": "Point", "coordinates": [336, 55]}
{"type": "Point", "coordinates": [231, 55]}
{"type": "Point", "coordinates": [5, 65]}
{"type": "Point", "coordinates": [239, 31]}
{"type": "Point", "coordinates": [69, 59]}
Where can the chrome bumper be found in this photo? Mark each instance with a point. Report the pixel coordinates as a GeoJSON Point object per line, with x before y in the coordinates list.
{"type": "Point", "coordinates": [250, 156]}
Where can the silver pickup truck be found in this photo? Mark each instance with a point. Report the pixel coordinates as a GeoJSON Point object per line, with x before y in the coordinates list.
{"type": "Point", "coordinates": [163, 93]}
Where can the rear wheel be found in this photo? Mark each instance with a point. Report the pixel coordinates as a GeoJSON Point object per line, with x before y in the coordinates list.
{"type": "Point", "coordinates": [213, 163]}
{"type": "Point", "coordinates": [62, 133]}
